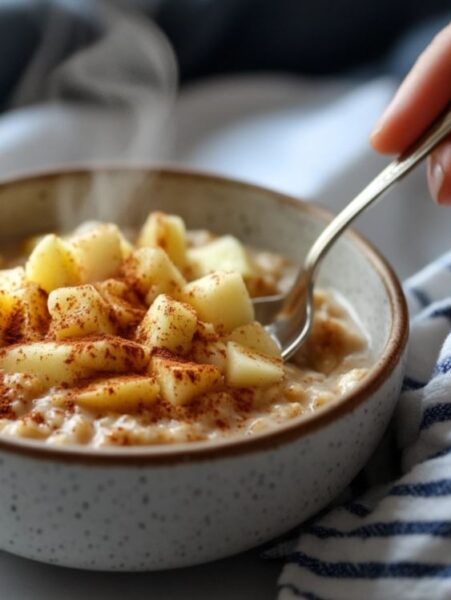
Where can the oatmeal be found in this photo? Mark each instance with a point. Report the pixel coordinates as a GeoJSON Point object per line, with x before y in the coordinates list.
{"type": "Point", "coordinates": [112, 340]}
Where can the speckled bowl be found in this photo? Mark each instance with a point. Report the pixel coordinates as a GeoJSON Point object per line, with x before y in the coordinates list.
{"type": "Point", "coordinates": [163, 507]}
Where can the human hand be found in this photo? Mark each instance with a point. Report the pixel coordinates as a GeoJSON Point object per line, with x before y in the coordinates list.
{"type": "Point", "coordinates": [422, 96]}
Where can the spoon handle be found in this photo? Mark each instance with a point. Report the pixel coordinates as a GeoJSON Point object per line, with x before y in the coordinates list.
{"type": "Point", "coordinates": [392, 173]}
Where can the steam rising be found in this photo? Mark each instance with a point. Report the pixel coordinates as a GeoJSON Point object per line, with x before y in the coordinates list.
{"type": "Point", "coordinates": [107, 103]}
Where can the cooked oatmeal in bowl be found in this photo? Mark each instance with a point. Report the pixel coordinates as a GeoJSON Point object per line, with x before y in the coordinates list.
{"type": "Point", "coordinates": [147, 421]}
{"type": "Point", "coordinates": [115, 340]}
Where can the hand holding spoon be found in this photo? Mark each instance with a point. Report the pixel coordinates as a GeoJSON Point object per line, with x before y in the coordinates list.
{"type": "Point", "coordinates": [288, 318]}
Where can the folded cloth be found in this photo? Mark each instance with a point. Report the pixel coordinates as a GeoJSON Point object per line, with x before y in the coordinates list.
{"type": "Point", "coordinates": [394, 540]}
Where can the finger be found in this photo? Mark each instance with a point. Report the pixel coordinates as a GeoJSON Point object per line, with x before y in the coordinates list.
{"type": "Point", "coordinates": [424, 93]}
{"type": "Point", "coordinates": [439, 172]}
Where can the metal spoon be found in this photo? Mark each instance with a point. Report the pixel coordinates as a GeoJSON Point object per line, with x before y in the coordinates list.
{"type": "Point", "coordinates": [288, 318]}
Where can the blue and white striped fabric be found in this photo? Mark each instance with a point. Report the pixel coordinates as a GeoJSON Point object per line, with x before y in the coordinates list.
{"type": "Point", "coordinates": [394, 541]}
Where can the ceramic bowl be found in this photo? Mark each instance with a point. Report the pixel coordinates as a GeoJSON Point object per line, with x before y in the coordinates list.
{"type": "Point", "coordinates": [163, 507]}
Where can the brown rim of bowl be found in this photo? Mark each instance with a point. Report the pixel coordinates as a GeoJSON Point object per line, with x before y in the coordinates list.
{"type": "Point", "coordinates": [292, 429]}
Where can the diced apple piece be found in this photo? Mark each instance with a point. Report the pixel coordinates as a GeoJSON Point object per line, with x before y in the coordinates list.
{"type": "Point", "coordinates": [222, 299]}
{"type": "Point", "coordinates": [85, 227]}
{"type": "Point", "coordinates": [48, 361]}
{"type": "Point", "coordinates": [123, 302]}
{"type": "Point", "coordinates": [168, 324]}
{"type": "Point", "coordinates": [167, 232]}
{"type": "Point", "coordinates": [12, 279]}
{"type": "Point", "coordinates": [224, 254]}
{"type": "Point", "coordinates": [78, 311]}
{"type": "Point", "coordinates": [8, 305]}
{"type": "Point", "coordinates": [88, 226]}
{"type": "Point", "coordinates": [212, 353]}
{"type": "Point", "coordinates": [8, 300]}
{"type": "Point", "coordinates": [57, 363]}
{"type": "Point", "coordinates": [111, 354]}
{"type": "Point", "coordinates": [126, 246]}
{"type": "Point", "coordinates": [246, 368]}
{"type": "Point", "coordinates": [151, 271]}
{"type": "Point", "coordinates": [98, 252]}
{"type": "Point", "coordinates": [51, 264]}
{"type": "Point", "coordinates": [30, 243]}
{"type": "Point", "coordinates": [116, 288]}
{"type": "Point", "coordinates": [31, 317]}
{"type": "Point", "coordinates": [255, 337]}
{"type": "Point", "coordinates": [206, 331]}
{"type": "Point", "coordinates": [180, 382]}
{"type": "Point", "coordinates": [118, 394]}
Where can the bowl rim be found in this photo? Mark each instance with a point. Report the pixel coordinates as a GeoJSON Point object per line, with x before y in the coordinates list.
{"type": "Point", "coordinates": [285, 433]}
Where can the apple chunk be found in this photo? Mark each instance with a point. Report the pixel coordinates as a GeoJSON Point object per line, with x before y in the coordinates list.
{"type": "Point", "coordinates": [78, 311]}
{"type": "Point", "coordinates": [57, 363]}
{"type": "Point", "coordinates": [118, 394]}
{"type": "Point", "coordinates": [12, 279]}
{"type": "Point", "coordinates": [151, 271]}
{"type": "Point", "coordinates": [222, 299]}
{"type": "Point", "coordinates": [98, 252]}
{"type": "Point", "coordinates": [31, 315]}
{"type": "Point", "coordinates": [168, 324]}
{"type": "Point", "coordinates": [166, 232]}
{"type": "Point", "coordinates": [212, 353]}
{"type": "Point", "coordinates": [180, 381]}
{"type": "Point", "coordinates": [123, 302]}
{"type": "Point", "coordinates": [11, 282]}
{"type": "Point", "coordinates": [23, 313]}
{"type": "Point", "coordinates": [52, 265]}
{"type": "Point", "coordinates": [8, 305]}
{"type": "Point", "coordinates": [255, 337]}
{"type": "Point", "coordinates": [224, 254]}
{"type": "Point", "coordinates": [88, 226]}
{"type": "Point", "coordinates": [246, 368]}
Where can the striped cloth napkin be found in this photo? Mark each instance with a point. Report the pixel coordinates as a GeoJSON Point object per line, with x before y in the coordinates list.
{"type": "Point", "coordinates": [394, 539]}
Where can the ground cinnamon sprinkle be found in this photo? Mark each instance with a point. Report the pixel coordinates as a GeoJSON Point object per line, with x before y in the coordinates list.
{"type": "Point", "coordinates": [13, 333]}
{"type": "Point", "coordinates": [165, 353]}
{"type": "Point", "coordinates": [70, 406]}
{"type": "Point", "coordinates": [121, 301]}
{"type": "Point", "coordinates": [6, 412]}
{"type": "Point", "coordinates": [243, 399]}
{"type": "Point", "coordinates": [37, 417]}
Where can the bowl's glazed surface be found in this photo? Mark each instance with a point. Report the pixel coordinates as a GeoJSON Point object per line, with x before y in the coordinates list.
{"type": "Point", "coordinates": [162, 507]}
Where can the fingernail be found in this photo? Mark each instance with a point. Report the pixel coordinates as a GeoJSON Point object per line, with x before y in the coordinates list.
{"type": "Point", "coordinates": [436, 176]}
